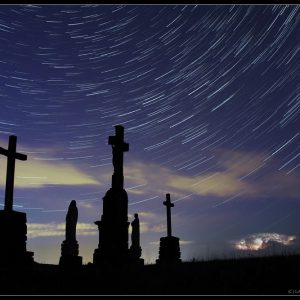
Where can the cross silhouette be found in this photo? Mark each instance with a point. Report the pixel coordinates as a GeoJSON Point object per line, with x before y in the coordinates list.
{"type": "Point", "coordinates": [119, 147]}
{"type": "Point", "coordinates": [168, 204]}
{"type": "Point", "coordinates": [12, 155]}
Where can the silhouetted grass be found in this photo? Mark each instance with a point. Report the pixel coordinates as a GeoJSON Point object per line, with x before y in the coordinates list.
{"type": "Point", "coordinates": [245, 276]}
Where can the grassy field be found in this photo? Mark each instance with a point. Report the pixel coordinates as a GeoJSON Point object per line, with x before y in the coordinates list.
{"type": "Point", "coordinates": [274, 275]}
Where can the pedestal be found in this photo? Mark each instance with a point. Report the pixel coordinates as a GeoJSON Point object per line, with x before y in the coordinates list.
{"type": "Point", "coordinates": [135, 254]}
{"type": "Point", "coordinates": [113, 247]}
{"type": "Point", "coordinates": [69, 255]}
{"type": "Point", "coordinates": [113, 230]}
{"type": "Point", "coordinates": [169, 250]}
{"type": "Point", "coordinates": [13, 237]}
{"type": "Point", "coordinates": [70, 261]}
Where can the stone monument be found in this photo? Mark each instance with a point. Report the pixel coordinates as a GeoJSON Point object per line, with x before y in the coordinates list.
{"type": "Point", "coordinates": [135, 248]}
{"type": "Point", "coordinates": [69, 247]}
{"type": "Point", "coordinates": [113, 226]}
{"type": "Point", "coordinates": [13, 228]}
{"type": "Point", "coordinates": [169, 250]}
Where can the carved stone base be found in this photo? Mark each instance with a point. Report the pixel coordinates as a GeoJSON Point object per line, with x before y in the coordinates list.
{"type": "Point", "coordinates": [69, 254]}
{"type": "Point", "coordinates": [69, 248]}
{"type": "Point", "coordinates": [101, 259]}
{"type": "Point", "coordinates": [137, 262]}
{"type": "Point", "coordinates": [135, 254]}
{"type": "Point", "coordinates": [70, 261]}
{"type": "Point", "coordinates": [113, 230]}
{"type": "Point", "coordinates": [169, 250]}
{"type": "Point", "coordinates": [13, 237]}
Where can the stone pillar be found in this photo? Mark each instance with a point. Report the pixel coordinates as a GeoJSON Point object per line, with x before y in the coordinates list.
{"type": "Point", "coordinates": [169, 250]}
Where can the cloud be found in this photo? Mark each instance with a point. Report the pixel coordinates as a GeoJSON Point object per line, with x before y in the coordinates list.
{"type": "Point", "coordinates": [219, 184]}
{"type": "Point", "coordinates": [147, 215]}
{"type": "Point", "coordinates": [159, 228]}
{"type": "Point", "coordinates": [35, 173]}
{"type": "Point", "coordinates": [261, 241]}
{"type": "Point", "coordinates": [146, 227]}
{"type": "Point", "coordinates": [272, 181]}
{"type": "Point", "coordinates": [280, 184]}
{"type": "Point", "coordinates": [236, 172]}
{"type": "Point", "coordinates": [154, 243]}
{"type": "Point", "coordinates": [39, 172]}
{"type": "Point", "coordinates": [183, 242]}
{"type": "Point", "coordinates": [240, 163]}
{"type": "Point", "coordinates": [35, 230]}
{"type": "Point", "coordinates": [162, 180]}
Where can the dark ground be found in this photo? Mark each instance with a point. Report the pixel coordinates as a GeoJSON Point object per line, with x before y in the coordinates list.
{"type": "Point", "coordinates": [276, 275]}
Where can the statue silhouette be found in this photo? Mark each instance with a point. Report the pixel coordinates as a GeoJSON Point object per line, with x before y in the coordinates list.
{"type": "Point", "coordinates": [69, 247]}
{"type": "Point", "coordinates": [135, 234]}
{"type": "Point", "coordinates": [71, 221]}
{"type": "Point", "coordinates": [135, 248]}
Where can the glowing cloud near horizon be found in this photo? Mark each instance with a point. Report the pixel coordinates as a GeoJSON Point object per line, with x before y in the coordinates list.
{"type": "Point", "coordinates": [260, 241]}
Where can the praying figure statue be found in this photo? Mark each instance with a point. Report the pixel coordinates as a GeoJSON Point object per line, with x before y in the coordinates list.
{"type": "Point", "coordinates": [71, 221]}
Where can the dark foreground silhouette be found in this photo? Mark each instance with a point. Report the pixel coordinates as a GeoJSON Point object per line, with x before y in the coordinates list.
{"type": "Point", "coordinates": [247, 276]}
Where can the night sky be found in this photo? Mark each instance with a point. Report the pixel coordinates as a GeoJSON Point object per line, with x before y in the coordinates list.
{"type": "Point", "coordinates": [208, 96]}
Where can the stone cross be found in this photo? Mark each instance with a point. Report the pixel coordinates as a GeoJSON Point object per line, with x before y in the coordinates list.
{"type": "Point", "coordinates": [118, 146]}
{"type": "Point", "coordinates": [12, 155]}
{"type": "Point", "coordinates": [168, 204]}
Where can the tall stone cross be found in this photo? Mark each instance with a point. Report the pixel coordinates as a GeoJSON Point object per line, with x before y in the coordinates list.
{"type": "Point", "coordinates": [118, 146]}
{"type": "Point", "coordinates": [168, 204]}
{"type": "Point", "coordinates": [12, 155]}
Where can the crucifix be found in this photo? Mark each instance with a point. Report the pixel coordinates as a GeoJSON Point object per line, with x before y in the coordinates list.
{"type": "Point", "coordinates": [12, 155]}
{"type": "Point", "coordinates": [118, 146]}
{"type": "Point", "coordinates": [168, 204]}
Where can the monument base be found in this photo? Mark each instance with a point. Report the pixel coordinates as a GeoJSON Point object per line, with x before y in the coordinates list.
{"type": "Point", "coordinates": [13, 237]}
{"type": "Point", "coordinates": [69, 248]}
{"type": "Point", "coordinates": [69, 254]}
{"type": "Point", "coordinates": [134, 256]}
{"type": "Point", "coordinates": [113, 230]}
{"type": "Point", "coordinates": [70, 261]}
{"type": "Point", "coordinates": [101, 259]}
{"type": "Point", "coordinates": [169, 250]}
{"type": "Point", "coordinates": [137, 262]}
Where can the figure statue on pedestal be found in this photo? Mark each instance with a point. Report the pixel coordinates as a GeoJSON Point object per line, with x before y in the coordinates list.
{"type": "Point", "coordinates": [135, 233]}
{"type": "Point", "coordinates": [135, 248]}
{"type": "Point", "coordinates": [69, 248]}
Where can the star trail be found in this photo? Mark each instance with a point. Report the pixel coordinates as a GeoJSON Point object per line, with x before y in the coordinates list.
{"type": "Point", "coordinates": [208, 96]}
